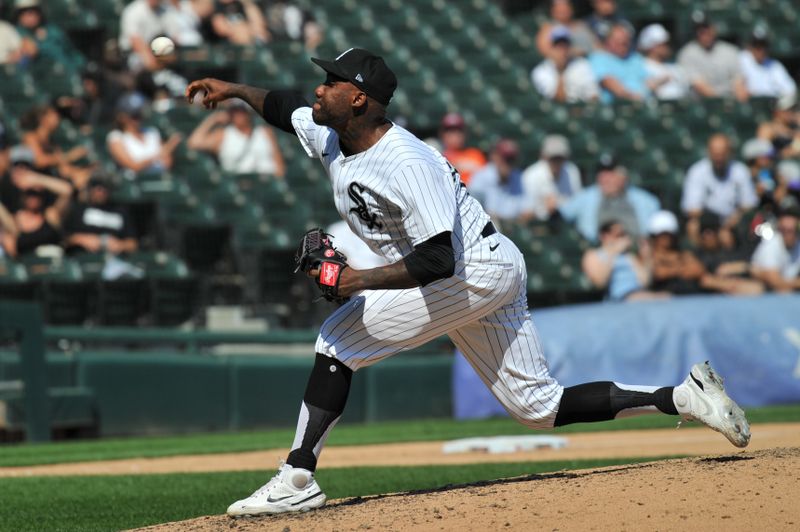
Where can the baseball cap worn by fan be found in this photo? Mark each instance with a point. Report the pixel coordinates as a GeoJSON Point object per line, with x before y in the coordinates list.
{"type": "Point", "coordinates": [507, 149]}
{"type": "Point", "coordinates": [21, 154]}
{"type": "Point", "coordinates": [365, 70]}
{"type": "Point", "coordinates": [560, 34]}
{"type": "Point", "coordinates": [755, 148]}
{"type": "Point", "coordinates": [26, 4]}
{"type": "Point", "coordinates": [662, 222]}
{"type": "Point", "coordinates": [606, 161]}
{"type": "Point", "coordinates": [453, 121]}
{"type": "Point", "coordinates": [651, 36]}
{"type": "Point", "coordinates": [555, 146]}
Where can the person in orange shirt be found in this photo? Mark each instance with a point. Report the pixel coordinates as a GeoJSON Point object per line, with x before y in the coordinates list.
{"type": "Point", "coordinates": [453, 135]}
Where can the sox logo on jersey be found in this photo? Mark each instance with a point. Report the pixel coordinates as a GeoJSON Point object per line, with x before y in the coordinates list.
{"type": "Point", "coordinates": [371, 219]}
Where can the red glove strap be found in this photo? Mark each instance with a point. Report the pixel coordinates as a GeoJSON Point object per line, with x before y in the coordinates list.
{"type": "Point", "coordinates": [329, 273]}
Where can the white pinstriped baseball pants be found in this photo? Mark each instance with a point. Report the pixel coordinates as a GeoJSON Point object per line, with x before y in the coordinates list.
{"type": "Point", "coordinates": [482, 308]}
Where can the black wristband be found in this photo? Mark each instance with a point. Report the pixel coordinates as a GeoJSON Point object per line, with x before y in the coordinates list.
{"type": "Point", "coordinates": [279, 106]}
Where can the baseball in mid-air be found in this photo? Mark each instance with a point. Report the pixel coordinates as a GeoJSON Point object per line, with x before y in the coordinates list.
{"type": "Point", "coordinates": [162, 46]}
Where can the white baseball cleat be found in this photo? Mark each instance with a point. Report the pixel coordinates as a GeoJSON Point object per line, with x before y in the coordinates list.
{"type": "Point", "coordinates": [702, 397]}
{"type": "Point", "coordinates": [290, 490]}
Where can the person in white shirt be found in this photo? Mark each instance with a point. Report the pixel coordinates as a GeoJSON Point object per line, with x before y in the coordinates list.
{"type": "Point", "coordinates": [240, 147]}
{"type": "Point", "coordinates": [498, 185]}
{"type": "Point", "coordinates": [136, 148]}
{"type": "Point", "coordinates": [181, 21]}
{"type": "Point", "coordinates": [667, 80]}
{"type": "Point", "coordinates": [141, 21]}
{"type": "Point", "coordinates": [776, 260]}
{"type": "Point", "coordinates": [711, 65]}
{"type": "Point", "coordinates": [764, 75]}
{"type": "Point", "coordinates": [562, 77]}
{"type": "Point", "coordinates": [552, 179]}
{"type": "Point", "coordinates": [719, 185]}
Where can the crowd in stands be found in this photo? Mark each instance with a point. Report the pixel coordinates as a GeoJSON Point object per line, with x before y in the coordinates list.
{"type": "Point", "coordinates": [740, 217]}
{"type": "Point", "coordinates": [735, 231]}
{"type": "Point", "coordinates": [601, 57]}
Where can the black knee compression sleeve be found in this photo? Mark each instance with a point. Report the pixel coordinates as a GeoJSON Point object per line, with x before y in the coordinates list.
{"type": "Point", "coordinates": [601, 401]}
{"type": "Point", "coordinates": [324, 401]}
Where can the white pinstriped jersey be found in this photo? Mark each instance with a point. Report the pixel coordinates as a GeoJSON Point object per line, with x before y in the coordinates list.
{"type": "Point", "coordinates": [398, 193]}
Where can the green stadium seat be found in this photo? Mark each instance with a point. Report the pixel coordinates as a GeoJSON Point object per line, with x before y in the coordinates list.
{"type": "Point", "coordinates": [61, 287]}
{"type": "Point", "coordinates": [172, 288]}
{"type": "Point", "coordinates": [14, 281]}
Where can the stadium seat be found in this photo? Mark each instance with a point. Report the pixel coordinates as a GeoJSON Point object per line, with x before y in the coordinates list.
{"type": "Point", "coordinates": [61, 287]}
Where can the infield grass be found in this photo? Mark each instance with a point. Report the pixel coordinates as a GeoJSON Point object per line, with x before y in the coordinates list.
{"type": "Point", "coordinates": [387, 432]}
{"type": "Point", "coordinates": [121, 502]}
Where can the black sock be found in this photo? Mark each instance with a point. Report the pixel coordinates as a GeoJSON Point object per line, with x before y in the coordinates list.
{"type": "Point", "coordinates": [601, 401]}
{"type": "Point", "coordinates": [324, 401]}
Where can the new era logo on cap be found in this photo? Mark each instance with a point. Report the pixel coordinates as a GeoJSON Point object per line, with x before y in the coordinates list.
{"type": "Point", "coordinates": [365, 70]}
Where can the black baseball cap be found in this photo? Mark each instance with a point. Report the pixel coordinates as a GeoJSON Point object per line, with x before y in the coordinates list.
{"type": "Point", "coordinates": [365, 70]}
{"type": "Point", "coordinates": [606, 161]}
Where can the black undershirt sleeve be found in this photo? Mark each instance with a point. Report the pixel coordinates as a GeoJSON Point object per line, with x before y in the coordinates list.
{"type": "Point", "coordinates": [432, 260]}
{"type": "Point", "coordinates": [279, 106]}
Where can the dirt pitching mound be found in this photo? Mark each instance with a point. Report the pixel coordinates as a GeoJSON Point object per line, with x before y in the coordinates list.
{"type": "Point", "coordinates": [742, 491]}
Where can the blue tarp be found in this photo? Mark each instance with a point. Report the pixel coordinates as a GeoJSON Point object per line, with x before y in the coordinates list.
{"type": "Point", "coordinates": [753, 342]}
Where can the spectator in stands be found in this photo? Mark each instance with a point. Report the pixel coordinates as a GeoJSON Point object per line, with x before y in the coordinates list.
{"type": "Point", "coordinates": [141, 21]}
{"type": "Point", "coordinates": [711, 65]}
{"type": "Point", "coordinates": [719, 185]}
{"type": "Point", "coordinates": [561, 14]}
{"type": "Point", "coordinates": [552, 179]}
{"type": "Point", "coordinates": [39, 125]}
{"type": "Point", "coordinates": [52, 45]}
{"type": "Point", "coordinates": [38, 222]}
{"type": "Point", "coordinates": [605, 16]}
{"type": "Point", "coordinates": [95, 224]}
{"type": "Point", "coordinates": [181, 20]}
{"type": "Point", "coordinates": [287, 19]}
{"type": "Point", "coordinates": [764, 75]}
{"type": "Point", "coordinates": [8, 233]}
{"type": "Point", "coordinates": [498, 185]}
{"type": "Point", "coordinates": [563, 77]}
{"type": "Point", "coordinates": [611, 198]}
{"type": "Point", "coordinates": [758, 155]}
{"type": "Point", "coordinates": [776, 260]}
{"type": "Point", "coordinates": [620, 71]}
{"type": "Point", "coordinates": [453, 136]}
{"type": "Point", "coordinates": [240, 146]}
{"type": "Point", "coordinates": [13, 47]}
{"type": "Point", "coordinates": [666, 80]}
{"type": "Point", "coordinates": [675, 270]}
{"type": "Point", "coordinates": [784, 128]}
{"type": "Point", "coordinates": [613, 267]}
{"type": "Point", "coordinates": [727, 267]}
{"type": "Point", "coordinates": [787, 192]}
{"type": "Point", "coordinates": [8, 228]}
{"type": "Point", "coordinates": [238, 22]}
{"type": "Point", "coordinates": [134, 147]}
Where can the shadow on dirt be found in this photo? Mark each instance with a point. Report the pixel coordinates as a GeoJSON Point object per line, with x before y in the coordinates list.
{"type": "Point", "coordinates": [484, 483]}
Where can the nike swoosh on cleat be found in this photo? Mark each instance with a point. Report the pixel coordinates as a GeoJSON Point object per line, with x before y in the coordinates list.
{"type": "Point", "coordinates": [697, 382]}
{"type": "Point", "coordinates": [270, 499]}
{"type": "Point", "coordinates": [306, 499]}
